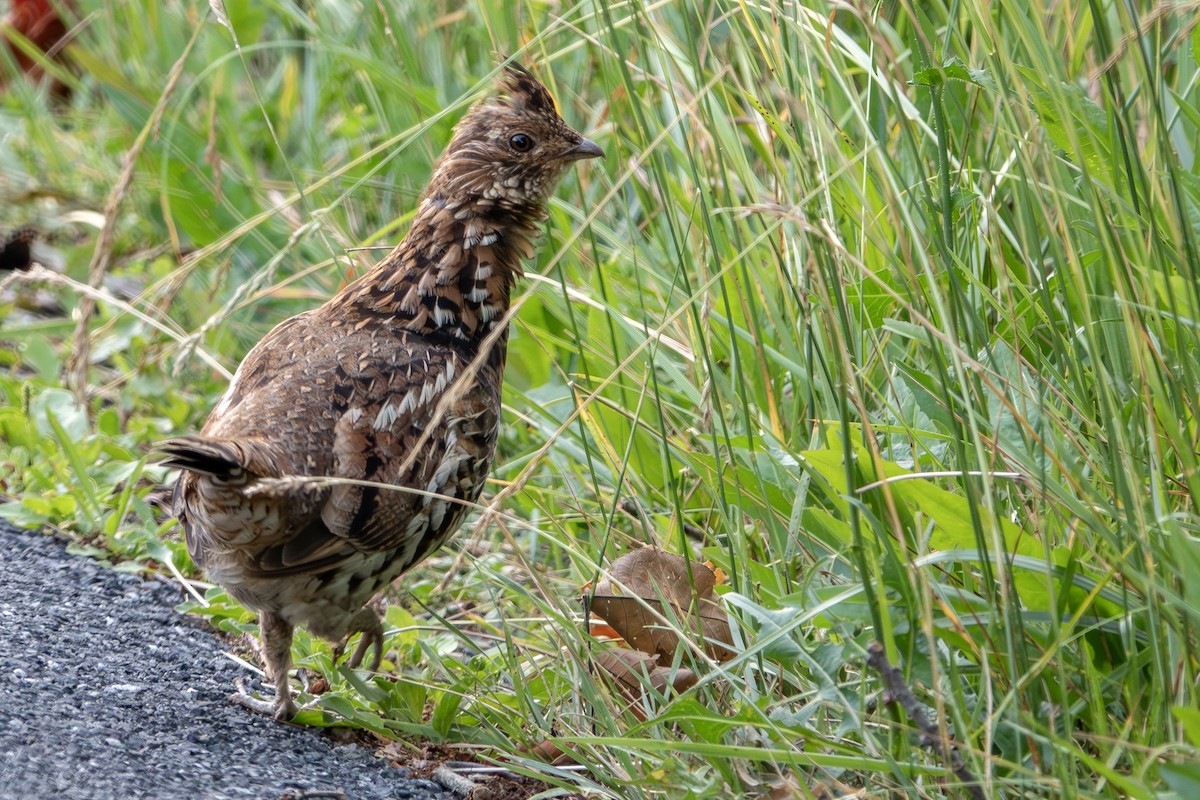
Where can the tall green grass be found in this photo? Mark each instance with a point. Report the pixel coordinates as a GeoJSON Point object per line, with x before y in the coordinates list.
{"type": "Point", "coordinates": [890, 312]}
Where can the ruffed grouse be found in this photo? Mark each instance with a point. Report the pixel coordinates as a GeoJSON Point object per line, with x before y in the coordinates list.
{"type": "Point", "coordinates": [394, 382]}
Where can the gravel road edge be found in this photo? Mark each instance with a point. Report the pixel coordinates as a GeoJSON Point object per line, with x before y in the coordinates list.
{"type": "Point", "coordinates": [107, 692]}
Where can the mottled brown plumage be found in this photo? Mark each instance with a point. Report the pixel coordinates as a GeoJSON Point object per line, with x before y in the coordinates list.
{"type": "Point", "coordinates": [395, 380]}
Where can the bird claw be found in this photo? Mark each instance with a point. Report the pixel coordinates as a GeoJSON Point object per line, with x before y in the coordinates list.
{"type": "Point", "coordinates": [372, 638]}
{"type": "Point", "coordinates": [282, 708]}
{"type": "Point", "coordinates": [367, 623]}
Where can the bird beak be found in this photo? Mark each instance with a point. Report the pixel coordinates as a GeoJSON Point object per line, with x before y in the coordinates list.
{"type": "Point", "coordinates": [585, 149]}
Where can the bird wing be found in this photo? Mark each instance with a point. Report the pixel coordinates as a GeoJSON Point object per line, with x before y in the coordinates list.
{"type": "Point", "coordinates": [382, 500]}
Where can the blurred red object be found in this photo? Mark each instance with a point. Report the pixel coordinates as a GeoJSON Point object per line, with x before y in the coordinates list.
{"type": "Point", "coordinates": [39, 22]}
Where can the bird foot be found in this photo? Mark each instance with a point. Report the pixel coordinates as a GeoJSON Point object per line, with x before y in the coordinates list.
{"type": "Point", "coordinates": [282, 708]}
{"type": "Point", "coordinates": [367, 623]}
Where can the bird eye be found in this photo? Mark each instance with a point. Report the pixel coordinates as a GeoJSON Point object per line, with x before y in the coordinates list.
{"type": "Point", "coordinates": [521, 142]}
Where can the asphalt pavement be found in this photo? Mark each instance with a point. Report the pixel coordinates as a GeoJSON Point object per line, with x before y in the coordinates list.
{"type": "Point", "coordinates": [107, 692]}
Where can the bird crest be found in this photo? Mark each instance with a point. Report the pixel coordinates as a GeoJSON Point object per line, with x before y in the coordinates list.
{"type": "Point", "coordinates": [525, 92]}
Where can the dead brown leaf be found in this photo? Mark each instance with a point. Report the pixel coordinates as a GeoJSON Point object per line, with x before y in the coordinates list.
{"type": "Point", "coordinates": [550, 753]}
{"type": "Point", "coordinates": [628, 672]}
{"type": "Point", "coordinates": [601, 630]}
{"type": "Point", "coordinates": [640, 616]}
{"type": "Point", "coordinates": [630, 667]}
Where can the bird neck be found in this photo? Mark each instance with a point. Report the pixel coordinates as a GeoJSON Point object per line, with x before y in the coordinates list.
{"type": "Point", "coordinates": [452, 274]}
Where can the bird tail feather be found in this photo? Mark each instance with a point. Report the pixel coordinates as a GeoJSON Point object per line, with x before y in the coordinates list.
{"type": "Point", "coordinates": [215, 457]}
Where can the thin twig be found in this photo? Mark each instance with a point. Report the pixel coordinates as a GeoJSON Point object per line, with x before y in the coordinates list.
{"type": "Point", "coordinates": [897, 691]}
{"type": "Point", "coordinates": [460, 785]}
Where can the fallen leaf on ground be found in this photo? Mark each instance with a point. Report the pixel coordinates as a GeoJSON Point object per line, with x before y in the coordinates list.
{"type": "Point", "coordinates": [649, 592]}
{"type": "Point", "coordinates": [631, 668]}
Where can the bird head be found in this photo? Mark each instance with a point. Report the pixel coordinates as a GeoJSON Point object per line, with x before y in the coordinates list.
{"type": "Point", "coordinates": [509, 152]}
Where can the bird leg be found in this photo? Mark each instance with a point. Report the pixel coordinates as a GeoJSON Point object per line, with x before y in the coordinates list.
{"type": "Point", "coordinates": [277, 653]}
{"type": "Point", "coordinates": [367, 623]}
